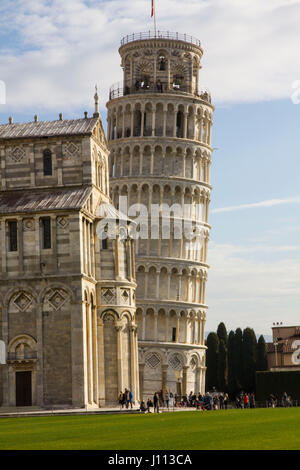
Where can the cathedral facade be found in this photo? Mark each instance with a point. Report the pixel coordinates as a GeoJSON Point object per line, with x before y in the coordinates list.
{"type": "Point", "coordinates": [67, 296]}
{"type": "Point", "coordinates": [85, 313]}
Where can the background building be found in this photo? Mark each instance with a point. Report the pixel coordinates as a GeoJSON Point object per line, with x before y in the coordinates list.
{"type": "Point", "coordinates": [159, 132]}
{"type": "Point", "coordinates": [280, 351]}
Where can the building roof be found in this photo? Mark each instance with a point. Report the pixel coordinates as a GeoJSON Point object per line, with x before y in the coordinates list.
{"type": "Point", "coordinates": [12, 202]}
{"type": "Point", "coordinates": [109, 212]}
{"type": "Point", "coordinates": [47, 128]}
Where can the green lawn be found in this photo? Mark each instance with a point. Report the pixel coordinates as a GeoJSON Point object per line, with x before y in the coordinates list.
{"type": "Point", "coordinates": [233, 429]}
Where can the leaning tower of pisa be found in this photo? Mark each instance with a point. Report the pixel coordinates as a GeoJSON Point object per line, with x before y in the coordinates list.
{"type": "Point", "coordinates": [159, 132]}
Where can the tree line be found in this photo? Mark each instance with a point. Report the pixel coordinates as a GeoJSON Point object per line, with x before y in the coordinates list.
{"type": "Point", "coordinates": [233, 359]}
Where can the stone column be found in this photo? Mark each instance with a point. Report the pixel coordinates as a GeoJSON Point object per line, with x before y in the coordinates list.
{"type": "Point", "coordinates": [164, 122]}
{"type": "Point", "coordinates": [95, 355]}
{"type": "Point", "coordinates": [185, 125]}
{"type": "Point", "coordinates": [167, 328]}
{"type": "Point", "coordinates": [133, 360]}
{"type": "Point", "coordinates": [177, 327]}
{"type": "Point", "coordinates": [175, 123]}
{"type": "Point", "coordinates": [101, 375]}
{"type": "Point", "coordinates": [119, 328]}
{"type": "Point", "coordinates": [153, 123]}
{"type": "Point", "coordinates": [141, 379]}
{"type": "Point", "coordinates": [143, 122]}
{"type": "Point", "coordinates": [132, 122]}
{"type": "Point", "coordinates": [155, 326]}
{"type": "Point", "coordinates": [184, 380]}
{"type": "Point", "coordinates": [123, 124]}
{"type": "Point", "coordinates": [164, 371]}
{"type": "Point", "coordinates": [144, 326]}
{"type": "Point", "coordinates": [198, 380]}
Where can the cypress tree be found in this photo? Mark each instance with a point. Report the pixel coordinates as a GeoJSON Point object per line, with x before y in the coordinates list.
{"type": "Point", "coordinates": [238, 351]}
{"type": "Point", "coordinates": [232, 365]}
{"type": "Point", "coordinates": [249, 359]}
{"type": "Point", "coordinates": [262, 361]}
{"type": "Point", "coordinates": [212, 344]}
{"type": "Point", "coordinates": [222, 333]}
{"type": "Point", "coordinates": [222, 367]}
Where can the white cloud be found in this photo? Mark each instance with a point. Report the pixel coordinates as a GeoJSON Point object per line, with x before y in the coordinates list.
{"type": "Point", "coordinates": [266, 203]}
{"type": "Point", "coordinates": [251, 47]}
{"type": "Point", "coordinates": [245, 290]}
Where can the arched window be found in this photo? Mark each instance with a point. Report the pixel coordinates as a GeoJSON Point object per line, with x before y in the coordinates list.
{"type": "Point", "coordinates": [178, 81]}
{"type": "Point", "coordinates": [162, 63]}
{"type": "Point", "coordinates": [179, 124]}
{"type": "Point", "coordinates": [47, 162]}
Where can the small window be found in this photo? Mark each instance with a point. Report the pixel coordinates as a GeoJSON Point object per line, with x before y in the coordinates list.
{"type": "Point", "coordinates": [174, 335]}
{"type": "Point", "coordinates": [104, 239]}
{"type": "Point", "coordinates": [46, 233]}
{"type": "Point", "coordinates": [47, 160]}
{"type": "Point", "coordinates": [104, 243]}
{"type": "Point", "coordinates": [13, 236]}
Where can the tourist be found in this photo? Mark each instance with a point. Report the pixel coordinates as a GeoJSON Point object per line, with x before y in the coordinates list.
{"type": "Point", "coordinates": [216, 402]}
{"type": "Point", "coordinates": [167, 398]}
{"type": "Point", "coordinates": [246, 400]}
{"type": "Point", "coordinates": [143, 408]}
{"type": "Point", "coordinates": [149, 405]}
{"type": "Point", "coordinates": [252, 400]}
{"type": "Point", "coordinates": [284, 399]}
{"type": "Point", "coordinates": [131, 399]}
{"type": "Point", "coordinates": [221, 400]}
{"type": "Point", "coordinates": [156, 403]}
{"type": "Point", "coordinates": [126, 398]}
{"type": "Point", "coordinates": [226, 400]}
{"type": "Point", "coordinates": [171, 400]}
{"type": "Point", "coordinates": [121, 399]}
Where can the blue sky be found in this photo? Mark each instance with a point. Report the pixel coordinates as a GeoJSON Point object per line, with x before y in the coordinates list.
{"type": "Point", "coordinates": [52, 53]}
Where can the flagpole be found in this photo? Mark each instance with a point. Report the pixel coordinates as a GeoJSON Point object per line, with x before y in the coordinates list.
{"type": "Point", "coordinates": [154, 17]}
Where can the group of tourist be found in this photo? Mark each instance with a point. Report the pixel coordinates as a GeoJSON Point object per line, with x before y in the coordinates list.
{"type": "Point", "coordinates": [126, 399]}
{"type": "Point", "coordinates": [286, 401]}
{"type": "Point", "coordinates": [245, 400]}
{"type": "Point", "coordinates": [193, 400]}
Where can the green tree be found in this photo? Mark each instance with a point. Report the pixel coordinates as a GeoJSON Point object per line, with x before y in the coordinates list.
{"type": "Point", "coordinates": [222, 333]}
{"type": "Point", "coordinates": [249, 359]}
{"type": "Point", "coordinates": [262, 361]}
{"type": "Point", "coordinates": [222, 366]}
{"type": "Point", "coordinates": [238, 351]}
{"type": "Point", "coordinates": [212, 344]}
{"type": "Point", "coordinates": [232, 365]}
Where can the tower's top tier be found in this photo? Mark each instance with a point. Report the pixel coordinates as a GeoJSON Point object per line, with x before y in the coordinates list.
{"type": "Point", "coordinates": [161, 62]}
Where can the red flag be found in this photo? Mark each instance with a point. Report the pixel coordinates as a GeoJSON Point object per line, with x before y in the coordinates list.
{"type": "Point", "coordinates": [152, 9]}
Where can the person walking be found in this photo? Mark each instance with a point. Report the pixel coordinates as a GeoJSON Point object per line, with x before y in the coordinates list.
{"type": "Point", "coordinates": [246, 400]}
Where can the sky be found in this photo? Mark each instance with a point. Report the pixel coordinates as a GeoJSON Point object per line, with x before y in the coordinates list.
{"type": "Point", "coordinates": [52, 53]}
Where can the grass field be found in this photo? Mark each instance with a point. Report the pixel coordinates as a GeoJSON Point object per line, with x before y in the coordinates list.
{"type": "Point", "coordinates": [233, 429]}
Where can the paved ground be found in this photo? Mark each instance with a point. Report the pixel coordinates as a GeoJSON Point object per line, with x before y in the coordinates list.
{"type": "Point", "coordinates": [34, 411]}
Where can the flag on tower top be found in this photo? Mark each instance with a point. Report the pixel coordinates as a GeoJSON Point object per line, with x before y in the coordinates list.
{"type": "Point", "coordinates": [152, 8]}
